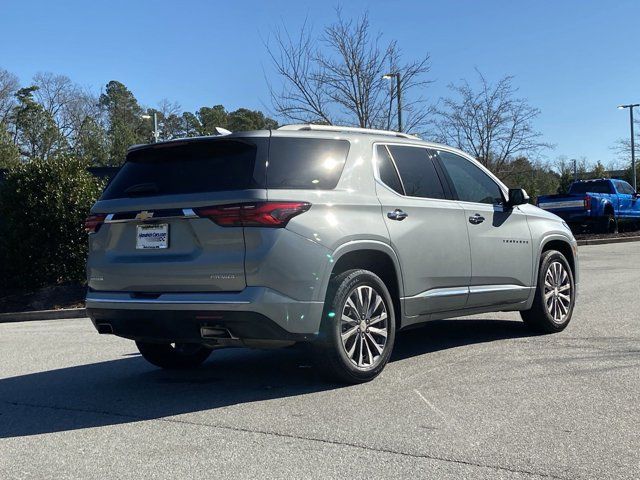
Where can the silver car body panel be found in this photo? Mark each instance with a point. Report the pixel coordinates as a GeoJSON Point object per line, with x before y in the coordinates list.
{"type": "Point", "coordinates": [445, 266]}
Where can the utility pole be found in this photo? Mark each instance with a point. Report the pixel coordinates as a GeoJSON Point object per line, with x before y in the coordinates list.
{"type": "Point", "coordinates": [575, 170]}
{"type": "Point", "coordinates": [389, 76]}
{"type": "Point", "coordinates": [156, 132]}
{"type": "Point", "coordinates": [633, 146]}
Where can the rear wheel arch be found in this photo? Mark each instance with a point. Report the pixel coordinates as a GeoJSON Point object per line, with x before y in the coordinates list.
{"type": "Point", "coordinates": [609, 221]}
{"type": "Point", "coordinates": [379, 261]}
{"type": "Point", "coordinates": [608, 209]}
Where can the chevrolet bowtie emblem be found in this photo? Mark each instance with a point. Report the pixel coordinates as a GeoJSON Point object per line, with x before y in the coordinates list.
{"type": "Point", "coordinates": [144, 215]}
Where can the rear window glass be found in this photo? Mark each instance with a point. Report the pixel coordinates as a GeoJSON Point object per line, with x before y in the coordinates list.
{"type": "Point", "coordinates": [305, 163]}
{"type": "Point", "coordinates": [591, 187]}
{"type": "Point", "coordinates": [191, 167]}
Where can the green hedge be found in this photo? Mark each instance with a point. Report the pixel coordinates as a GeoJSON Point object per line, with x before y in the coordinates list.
{"type": "Point", "coordinates": [43, 205]}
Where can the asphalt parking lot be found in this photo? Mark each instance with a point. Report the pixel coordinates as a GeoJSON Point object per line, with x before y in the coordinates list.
{"type": "Point", "coordinates": [466, 398]}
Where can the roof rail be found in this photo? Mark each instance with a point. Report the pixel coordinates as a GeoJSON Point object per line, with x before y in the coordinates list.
{"type": "Point", "coordinates": [338, 128]}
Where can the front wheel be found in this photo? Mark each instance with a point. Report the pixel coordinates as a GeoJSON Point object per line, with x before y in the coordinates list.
{"type": "Point", "coordinates": [173, 355]}
{"type": "Point", "coordinates": [555, 295]}
{"type": "Point", "coordinates": [358, 327]}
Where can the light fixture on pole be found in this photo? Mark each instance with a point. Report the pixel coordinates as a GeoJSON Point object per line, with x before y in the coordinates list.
{"type": "Point", "coordinates": [389, 76]}
{"type": "Point", "coordinates": [633, 147]}
{"type": "Point", "coordinates": [156, 132]}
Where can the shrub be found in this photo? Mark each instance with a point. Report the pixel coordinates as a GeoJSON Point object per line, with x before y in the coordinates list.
{"type": "Point", "coordinates": [43, 205]}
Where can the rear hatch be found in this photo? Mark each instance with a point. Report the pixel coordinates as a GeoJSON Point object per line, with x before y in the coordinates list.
{"type": "Point", "coordinates": [153, 228]}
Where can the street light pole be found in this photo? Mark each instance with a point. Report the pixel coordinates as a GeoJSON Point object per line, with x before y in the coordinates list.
{"type": "Point", "coordinates": [633, 146]}
{"type": "Point", "coordinates": [156, 132]}
{"type": "Point", "coordinates": [389, 76]}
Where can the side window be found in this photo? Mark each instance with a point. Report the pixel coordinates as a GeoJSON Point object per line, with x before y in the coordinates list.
{"type": "Point", "coordinates": [387, 171]}
{"type": "Point", "coordinates": [470, 183]}
{"type": "Point", "coordinates": [305, 163]}
{"type": "Point", "coordinates": [417, 172]}
{"type": "Point", "coordinates": [624, 187]}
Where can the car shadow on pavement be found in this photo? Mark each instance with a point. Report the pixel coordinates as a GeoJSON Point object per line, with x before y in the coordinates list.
{"type": "Point", "coordinates": [130, 390]}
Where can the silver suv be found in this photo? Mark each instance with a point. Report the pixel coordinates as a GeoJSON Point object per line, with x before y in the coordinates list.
{"type": "Point", "coordinates": [334, 236]}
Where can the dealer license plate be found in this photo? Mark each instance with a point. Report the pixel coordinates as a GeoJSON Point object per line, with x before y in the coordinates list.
{"type": "Point", "coordinates": [154, 236]}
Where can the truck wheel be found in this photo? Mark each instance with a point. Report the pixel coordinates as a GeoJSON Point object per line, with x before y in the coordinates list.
{"type": "Point", "coordinates": [608, 224]}
{"type": "Point", "coordinates": [173, 355]}
{"type": "Point", "coordinates": [555, 295]}
{"type": "Point", "coordinates": [358, 327]}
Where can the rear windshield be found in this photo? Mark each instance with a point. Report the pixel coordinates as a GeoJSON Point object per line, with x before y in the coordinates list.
{"type": "Point", "coordinates": [191, 167]}
{"type": "Point", "coordinates": [591, 187]}
{"type": "Point", "coordinates": [230, 164]}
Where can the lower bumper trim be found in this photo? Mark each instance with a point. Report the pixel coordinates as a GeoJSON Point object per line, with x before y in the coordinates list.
{"type": "Point", "coordinates": [187, 326]}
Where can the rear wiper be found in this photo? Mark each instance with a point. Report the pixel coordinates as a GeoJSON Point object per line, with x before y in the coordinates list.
{"type": "Point", "coordinates": [141, 189]}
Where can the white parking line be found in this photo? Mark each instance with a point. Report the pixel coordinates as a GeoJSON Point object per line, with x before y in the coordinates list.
{"type": "Point", "coordinates": [433, 407]}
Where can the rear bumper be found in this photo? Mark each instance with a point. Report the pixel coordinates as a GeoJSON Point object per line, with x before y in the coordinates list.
{"type": "Point", "coordinates": [254, 313]}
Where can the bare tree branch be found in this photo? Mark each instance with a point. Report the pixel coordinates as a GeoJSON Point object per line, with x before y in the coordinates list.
{"type": "Point", "coordinates": [337, 77]}
{"type": "Point", "coordinates": [490, 122]}
{"type": "Point", "coordinates": [8, 87]}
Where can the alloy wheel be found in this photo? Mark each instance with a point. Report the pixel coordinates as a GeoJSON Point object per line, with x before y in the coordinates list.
{"type": "Point", "coordinates": [557, 292]}
{"type": "Point", "coordinates": [364, 326]}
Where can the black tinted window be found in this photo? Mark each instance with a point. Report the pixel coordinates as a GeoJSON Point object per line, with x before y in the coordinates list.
{"type": "Point", "coordinates": [591, 187]}
{"type": "Point", "coordinates": [190, 167]}
{"type": "Point", "coordinates": [312, 163]}
{"type": "Point", "coordinates": [470, 183]}
{"type": "Point", "coordinates": [418, 174]}
{"type": "Point", "coordinates": [388, 173]}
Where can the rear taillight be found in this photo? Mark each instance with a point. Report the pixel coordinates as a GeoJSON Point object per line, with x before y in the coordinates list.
{"type": "Point", "coordinates": [260, 214]}
{"type": "Point", "coordinates": [93, 222]}
{"type": "Point", "coordinates": [587, 202]}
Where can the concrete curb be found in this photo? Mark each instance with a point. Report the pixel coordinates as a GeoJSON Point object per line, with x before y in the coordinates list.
{"type": "Point", "coordinates": [43, 315]}
{"type": "Point", "coordinates": [603, 241]}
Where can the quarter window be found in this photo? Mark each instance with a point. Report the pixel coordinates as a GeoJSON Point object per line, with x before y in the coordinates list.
{"type": "Point", "coordinates": [417, 172]}
{"type": "Point", "coordinates": [387, 171]}
{"type": "Point", "coordinates": [470, 183]}
{"type": "Point", "coordinates": [306, 163]}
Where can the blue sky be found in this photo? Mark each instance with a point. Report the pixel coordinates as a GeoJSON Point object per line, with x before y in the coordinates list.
{"type": "Point", "coordinates": [575, 60]}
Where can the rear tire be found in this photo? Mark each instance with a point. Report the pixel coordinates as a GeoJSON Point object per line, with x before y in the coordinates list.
{"type": "Point", "coordinates": [608, 224]}
{"type": "Point", "coordinates": [173, 355]}
{"type": "Point", "coordinates": [555, 295]}
{"type": "Point", "coordinates": [358, 327]}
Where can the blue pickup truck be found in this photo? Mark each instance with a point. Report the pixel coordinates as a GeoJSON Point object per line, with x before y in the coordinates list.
{"type": "Point", "coordinates": [600, 205]}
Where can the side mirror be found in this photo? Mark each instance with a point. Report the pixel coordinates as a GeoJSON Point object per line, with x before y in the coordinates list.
{"type": "Point", "coordinates": [517, 196]}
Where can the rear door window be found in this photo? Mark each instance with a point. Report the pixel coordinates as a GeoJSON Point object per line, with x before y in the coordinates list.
{"type": "Point", "coordinates": [417, 172]}
{"type": "Point", "coordinates": [191, 167]}
{"type": "Point", "coordinates": [306, 163]}
{"type": "Point", "coordinates": [625, 188]}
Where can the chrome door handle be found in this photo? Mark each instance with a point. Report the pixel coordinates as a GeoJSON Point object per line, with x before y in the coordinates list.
{"type": "Point", "coordinates": [476, 219]}
{"type": "Point", "coordinates": [397, 214]}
